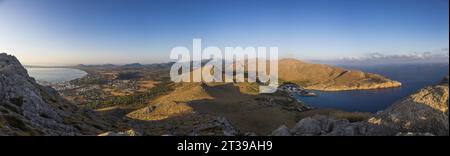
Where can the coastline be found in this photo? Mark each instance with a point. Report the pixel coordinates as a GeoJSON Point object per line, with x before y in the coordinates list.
{"type": "Point", "coordinates": [57, 84]}
{"type": "Point", "coordinates": [385, 85]}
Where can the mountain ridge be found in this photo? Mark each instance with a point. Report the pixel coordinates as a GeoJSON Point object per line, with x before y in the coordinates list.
{"type": "Point", "coordinates": [328, 78]}
{"type": "Point", "coordinates": [27, 108]}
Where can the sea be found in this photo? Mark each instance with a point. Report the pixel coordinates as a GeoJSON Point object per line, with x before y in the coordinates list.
{"type": "Point", "coordinates": [412, 76]}
{"type": "Point", "coordinates": [55, 75]}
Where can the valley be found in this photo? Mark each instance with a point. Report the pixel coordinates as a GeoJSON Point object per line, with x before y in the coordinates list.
{"type": "Point", "coordinates": [141, 100]}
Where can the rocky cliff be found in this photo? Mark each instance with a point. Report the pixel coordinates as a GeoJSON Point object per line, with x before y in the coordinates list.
{"type": "Point", "coordinates": [27, 108]}
{"type": "Point", "coordinates": [425, 111]}
{"type": "Point", "coordinates": [422, 113]}
{"type": "Point", "coordinates": [328, 78]}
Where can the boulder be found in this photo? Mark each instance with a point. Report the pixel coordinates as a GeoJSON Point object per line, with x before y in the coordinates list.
{"type": "Point", "coordinates": [320, 125]}
{"type": "Point", "coordinates": [130, 132]}
{"type": "Point", "coordinates": [283, 130]}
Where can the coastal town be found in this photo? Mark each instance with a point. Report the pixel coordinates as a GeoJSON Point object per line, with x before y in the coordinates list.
{"type": "Point", "coordinates": [106, 86]}
{"type": "Point", "coordinates": [293, 89]}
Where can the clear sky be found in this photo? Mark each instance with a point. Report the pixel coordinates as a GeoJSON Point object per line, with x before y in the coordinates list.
{"type": "Point", "coordinates": [125, 31]}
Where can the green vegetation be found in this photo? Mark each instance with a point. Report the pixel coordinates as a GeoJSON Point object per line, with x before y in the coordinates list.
{"type": "Point", "coordinates": [15, 122]}
{"type": "Point", "coordinates": [128, 76]}
{"type": "Point", "coordinates": [140, 98]}
{"type": "Point", "coordinates": [91, 79]}
{"type": "Point", "coordinates": [249, 87]}
{"type": "Point", "coordinates": [299, 83]}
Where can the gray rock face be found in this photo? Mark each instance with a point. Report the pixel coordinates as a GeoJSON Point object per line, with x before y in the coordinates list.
{"type": "Point", "coordinates": [414, 134]}
{"type": "Point", "coordinates": [320, 125]}
{"type": "Point", "coordinates": [426, 111]}
{"type": "Point", "coordinates": [228, 129]}
{"type": "Point", "coordinates": [19, 90]}
{"type": "Point", "coordinates": [282, 131]}
{"type": "Point", "coordinates": [130, 132]}
{"type": "Point", "coordinates": [27, 108]}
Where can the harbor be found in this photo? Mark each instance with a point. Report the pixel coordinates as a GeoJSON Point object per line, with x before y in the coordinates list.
{"type": "Point", "coordinates": [293, 89]}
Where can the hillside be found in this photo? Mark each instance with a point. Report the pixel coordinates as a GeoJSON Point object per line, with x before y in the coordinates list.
{"type": "Point", "coordinates": [425, 111]}
{"type": "Point", "coordinates": [328, 78]}
{"type": "Point", "coordinates": [27, 108]}
{"type": "Point", "coordinates": [194, 106]}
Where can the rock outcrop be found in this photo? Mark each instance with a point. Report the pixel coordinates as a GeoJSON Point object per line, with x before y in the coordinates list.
{"type": "Point", "coordinates": [320, 125]}
{"type": "Point", "coordinates": [130, 132]}
{"type": "Point", "coordinates": [424, 113]}
{"type": "Point", "coordinates": [283, 130]}
{"type": "Point", "coordinates": [27, 108]}
{"type": "Point", "coordinates": [328, 78]}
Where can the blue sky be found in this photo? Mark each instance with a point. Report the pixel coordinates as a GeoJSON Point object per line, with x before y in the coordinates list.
{"type": "Point", "coordinates": [123, 31]}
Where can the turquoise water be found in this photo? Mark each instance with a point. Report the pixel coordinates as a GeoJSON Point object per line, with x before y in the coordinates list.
{"type": "Point", "coordinates": [412, 77]}
{"type": "Point", "coordinates": [53, 75]}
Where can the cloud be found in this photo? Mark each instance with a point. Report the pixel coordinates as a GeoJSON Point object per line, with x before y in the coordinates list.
{"type": "Point", "coordinates": [377, 57]}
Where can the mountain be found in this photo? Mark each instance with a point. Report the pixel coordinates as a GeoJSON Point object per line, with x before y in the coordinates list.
{"type": "Point", "coordinates": [422, 113]}
{"type": "Point", "coordinates": [328, 78]}
{"type": "Point", "coordinates": [133, 65]}
{"type": "Point", "coordinates": [27, 108]}
{"type": "Point", "coordinates": [217, 109]}
{"type": "Point", "coordinates": [171, 114]}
